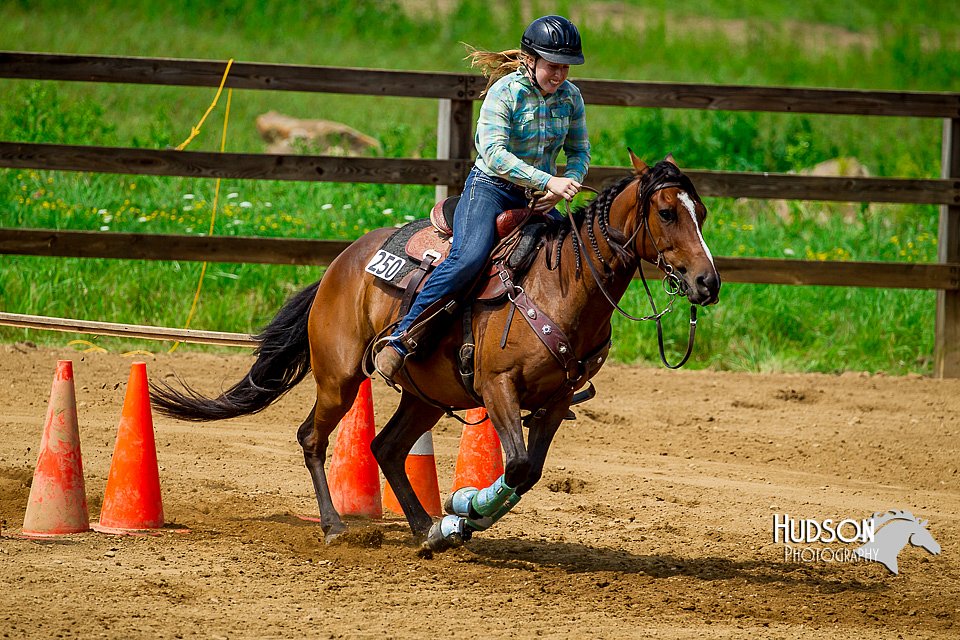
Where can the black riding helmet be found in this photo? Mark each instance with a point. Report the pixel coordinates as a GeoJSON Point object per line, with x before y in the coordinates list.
{"type": "Point", "coordinates": [553, 38]}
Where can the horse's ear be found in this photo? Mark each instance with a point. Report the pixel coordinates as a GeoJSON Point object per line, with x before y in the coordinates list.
{"type": "Point", "coordinates": [671, 160]}
{"type": "Point", "coordinates": [638, 165]}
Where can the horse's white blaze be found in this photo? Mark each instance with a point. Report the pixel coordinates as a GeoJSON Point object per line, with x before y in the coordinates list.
{"type": "Point", "coordinates": [687, 202]}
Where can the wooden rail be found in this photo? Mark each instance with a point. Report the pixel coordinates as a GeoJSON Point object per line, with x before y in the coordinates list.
{"type": "Point", "coordinates": [250, 166]}
{"type": "Point", "coordinates": [147, 332]}
{"type": "Point", "coordinates": [454, 144]}
{"type": "Point", "coordinates": [455, 86]}
{"type": "Point", "coordinates": [138, 246]}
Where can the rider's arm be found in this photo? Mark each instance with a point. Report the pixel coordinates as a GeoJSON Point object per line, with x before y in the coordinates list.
{"type": "Point", "coordinates": [577, 144]}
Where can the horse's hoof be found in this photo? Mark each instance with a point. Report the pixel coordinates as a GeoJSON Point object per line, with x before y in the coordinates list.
{"type": "Point", "coordinates": [458, 502]}
{"type": "Point", "coordinates": [331, 533]}
{"type": "Point", "coordinates": [450, 532]}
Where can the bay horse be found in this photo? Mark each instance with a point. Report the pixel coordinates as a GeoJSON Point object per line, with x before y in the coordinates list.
{"type": "Point", "coordinates": [652, 214]}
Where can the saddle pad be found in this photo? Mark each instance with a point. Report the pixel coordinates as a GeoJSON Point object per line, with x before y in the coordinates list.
{"type": "Point", "coordinates": [393, 263]}
{"type": "Point", "coordinates": [398, 257]}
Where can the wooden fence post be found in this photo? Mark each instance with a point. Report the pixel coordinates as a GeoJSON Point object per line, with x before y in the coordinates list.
{"type": "Point", "coordinates": [947, 345]}
{"type": "Point", "coordinates": [443, 142]}
{"type": "Point", "coordinates": [454, 140]}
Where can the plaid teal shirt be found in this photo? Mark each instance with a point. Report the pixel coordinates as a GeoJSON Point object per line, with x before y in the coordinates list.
{"type": "Point", "coordinates": [520, 132]}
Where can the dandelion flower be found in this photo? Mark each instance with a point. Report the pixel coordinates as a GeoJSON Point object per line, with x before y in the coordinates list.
{"type": "Point", "coordinates": [232, 195]}
{"type": "Point", "coordinates": [327, 206]}
{"type": "Point", "coordinates": [245, 205]}
{"type": "Point", "coordinates": [142, 219]}
{"type": "Point", "coordinates": [188, 196]}
{"type": "Point", "coordinates": [409, 218]}
{"type": "Point", "coordinates": [104, 228]}
{"type": "Point", "coordinates": [387, 212]}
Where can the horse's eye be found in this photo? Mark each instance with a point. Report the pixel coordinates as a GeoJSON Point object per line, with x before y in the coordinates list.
{"type": "Point", "coordinates": [668, 215]}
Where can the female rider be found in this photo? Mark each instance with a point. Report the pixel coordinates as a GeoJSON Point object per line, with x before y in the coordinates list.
{"type": "Point", "coordinates": [529, 113]}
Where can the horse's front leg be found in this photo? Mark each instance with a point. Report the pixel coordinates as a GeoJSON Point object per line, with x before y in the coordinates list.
{"type": "Point", "coordinates": [542, 431]}
{"type": "Point", "coordinates": [473, 509]}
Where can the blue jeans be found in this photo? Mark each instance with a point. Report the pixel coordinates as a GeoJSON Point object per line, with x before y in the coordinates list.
{"type": "Point", "coordinates": [474, 236]}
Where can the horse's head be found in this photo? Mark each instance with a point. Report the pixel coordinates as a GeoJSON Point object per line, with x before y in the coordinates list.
{"type": "Point", "coordinates": [668, 217]}
{"type": "Point", "coordinates": [922, 537]}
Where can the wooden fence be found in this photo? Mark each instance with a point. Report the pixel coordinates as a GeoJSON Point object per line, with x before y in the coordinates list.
{"type": "Point", "coordinates": [456, 94]}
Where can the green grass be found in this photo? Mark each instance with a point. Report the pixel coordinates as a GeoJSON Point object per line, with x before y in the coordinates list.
{"type": "Point", "coordinates": [755, 327]}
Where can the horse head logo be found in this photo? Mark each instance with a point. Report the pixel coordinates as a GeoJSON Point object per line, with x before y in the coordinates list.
{"type": "Point", "coordinates": [898, 528]}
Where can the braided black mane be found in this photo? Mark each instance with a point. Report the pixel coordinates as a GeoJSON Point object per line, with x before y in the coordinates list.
{"type": "Point", "coordinates": [599, 210]}
{"type": "Point", "coordinates": [663, 173]}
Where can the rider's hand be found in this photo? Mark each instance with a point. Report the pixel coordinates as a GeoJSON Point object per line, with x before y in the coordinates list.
{"type": "Point", "coordinates": [564, 188]}
{"type": "Point", "coordinates": [546, 202]}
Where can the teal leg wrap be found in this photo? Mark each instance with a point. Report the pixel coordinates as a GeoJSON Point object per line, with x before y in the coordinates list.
{"type": "Point", "coordinates": [470, 511]}
{"type": "Point", "coordinates": [459, 503]}
{"type": "Point", "coordinates": [488, 501]}
{"type": "Point", "coordinates": [486, 522]}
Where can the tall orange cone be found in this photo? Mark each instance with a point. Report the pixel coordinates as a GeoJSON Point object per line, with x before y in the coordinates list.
{"type": "Point", "coordinates": [132, 501]}
{"type": "Point", "coordinates": [480, 460]}
{"type": "Point", "coordinates": [354, 478]}
{"type": "Point", "coordinates": [58, 500]}
{"type": "Point", "coordinates": [421, 468]}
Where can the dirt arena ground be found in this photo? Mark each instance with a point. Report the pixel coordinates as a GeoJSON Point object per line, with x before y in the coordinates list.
{"type": "Point", "coordinates": [654, 518]}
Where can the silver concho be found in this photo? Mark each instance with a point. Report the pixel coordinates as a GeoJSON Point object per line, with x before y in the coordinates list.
{"type": "Point", "coordinates": [546, 329]}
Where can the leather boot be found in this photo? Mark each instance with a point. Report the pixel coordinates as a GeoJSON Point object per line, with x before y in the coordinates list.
{"type": "Point", "coordinates": [388, 362]}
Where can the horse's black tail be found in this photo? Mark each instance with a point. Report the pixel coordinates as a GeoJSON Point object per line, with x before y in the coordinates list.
{"type": "Point", "coordinates": [283, 360]}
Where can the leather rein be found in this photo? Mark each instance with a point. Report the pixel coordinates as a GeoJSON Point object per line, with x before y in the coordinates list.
{"type": "Point", "coordinates": [673, 285]}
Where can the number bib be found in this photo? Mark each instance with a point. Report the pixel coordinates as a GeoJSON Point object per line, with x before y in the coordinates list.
{"type": "Point", "coordinates": [385, 265]}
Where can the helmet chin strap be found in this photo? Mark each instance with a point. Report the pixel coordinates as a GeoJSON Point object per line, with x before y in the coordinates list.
{"type": "Point", "coordinates": [532, 74]}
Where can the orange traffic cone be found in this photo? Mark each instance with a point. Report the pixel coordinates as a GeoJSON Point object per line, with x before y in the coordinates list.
{"type": "Point", "coordinates": [132, 499]}
{"type": "Point", "coordinates": [58, 500]}
{"type": "Point", "coordinates": [421, 468]}
{"type": "Point", "coordinates": [480, 460]}
{"type": "Point", "coordinates": [354, 478]}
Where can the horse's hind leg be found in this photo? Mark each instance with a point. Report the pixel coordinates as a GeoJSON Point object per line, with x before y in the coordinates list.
{"type": "Point", "coordinates": [314, 436]}
{"type": "Point", "coordinates": [412, 419]}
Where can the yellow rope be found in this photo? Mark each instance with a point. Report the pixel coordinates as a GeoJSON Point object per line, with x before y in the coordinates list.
{"type": "Point", "coordinates": [213, 212]}
{"type": "Point", "coordinates": [91, 348]}
{"type": "Point", "coordinates": [196, 130]}
{"type": "Point", "coordinates": [137, 353]}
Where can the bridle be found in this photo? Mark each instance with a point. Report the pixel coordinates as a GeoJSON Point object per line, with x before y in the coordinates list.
{"type": "Point", "coordinates": [673, 285]}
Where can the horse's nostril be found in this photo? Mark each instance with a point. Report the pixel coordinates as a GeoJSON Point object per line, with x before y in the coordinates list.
{"type": "Point", "coordinates": [708, 282]}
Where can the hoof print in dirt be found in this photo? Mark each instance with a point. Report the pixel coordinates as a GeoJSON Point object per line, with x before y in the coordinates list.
{"type": "Point", "coordinates": [364, 538]}
{"type": "Point", "coordinates": [567, 485]}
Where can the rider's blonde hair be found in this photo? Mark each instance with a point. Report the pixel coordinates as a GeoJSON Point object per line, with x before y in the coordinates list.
{"type": "Point", "coordinates": [495, 65]}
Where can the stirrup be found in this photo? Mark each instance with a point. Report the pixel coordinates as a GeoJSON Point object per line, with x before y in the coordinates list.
{"type": "Point", "coordinates": [378, 345]}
